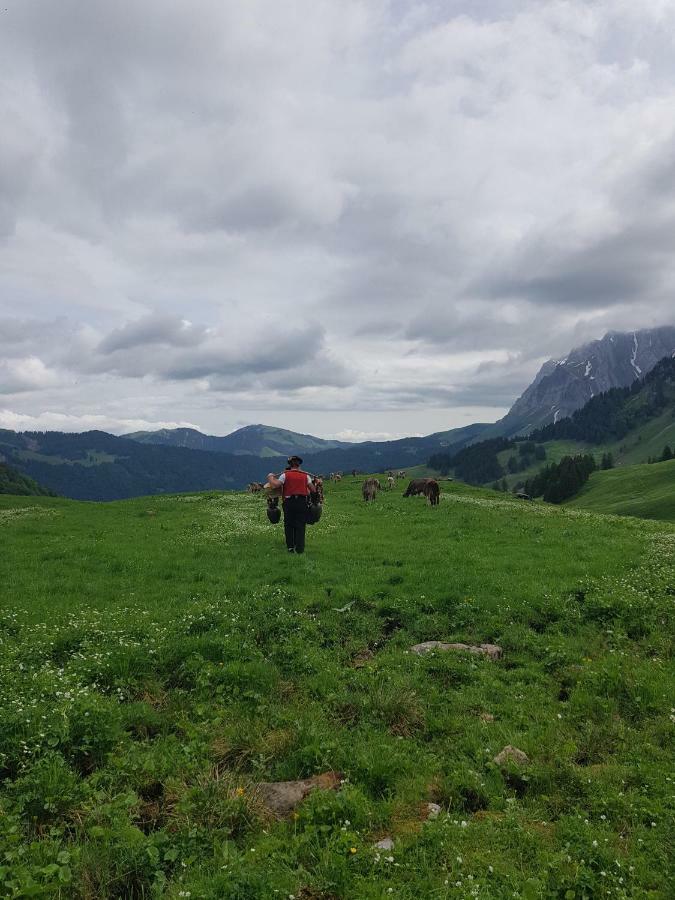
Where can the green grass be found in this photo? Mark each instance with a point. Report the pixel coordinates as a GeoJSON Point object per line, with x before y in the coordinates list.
{"type": "Point", "coordinates": [647, 491]}
{"type": "Point", "coordinates": [159, 656]}
{"type": "Point", "coordinates": [646, 442]}
{"type": "Point", "coordinates": [638, 446]}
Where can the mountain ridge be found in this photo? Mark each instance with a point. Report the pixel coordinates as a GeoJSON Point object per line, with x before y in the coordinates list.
{"type": "Point", "coordinates": [560, 387]}
{"type": "Point", "coordinates": [563, 386]}
{"type": "Point", "coordinates": [255, 440]}
{"type": "Point", "coordinates": [95, 465]}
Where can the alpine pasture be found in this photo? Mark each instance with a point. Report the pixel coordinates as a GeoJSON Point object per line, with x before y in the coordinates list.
{"type": "Point", "coordinates": [647, 491]}
{"type": "Point", "coordinates": [163, 659]}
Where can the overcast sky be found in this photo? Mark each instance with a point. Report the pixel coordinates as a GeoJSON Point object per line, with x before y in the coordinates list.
{"type": "Point", "coordinates": [355, 218]}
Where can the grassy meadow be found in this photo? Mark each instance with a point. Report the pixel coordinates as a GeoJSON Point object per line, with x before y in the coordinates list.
{"type": "Point", "coordinates": [161, 657]}
{"type": "Point", "coordinates": [646, 491]}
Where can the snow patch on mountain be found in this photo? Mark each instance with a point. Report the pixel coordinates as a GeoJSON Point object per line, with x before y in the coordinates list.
{"type": "Point", "coordinates": [636, 368]}
{"type": "Point", "coordinates": [563, 386]}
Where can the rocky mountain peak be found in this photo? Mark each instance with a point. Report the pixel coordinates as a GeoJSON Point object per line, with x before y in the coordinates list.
{"type": "Point", "coordinates": [564, 385]}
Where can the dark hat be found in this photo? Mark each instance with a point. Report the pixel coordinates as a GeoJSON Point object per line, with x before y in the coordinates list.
{"type": "Point", "coordinates": [294, 461]}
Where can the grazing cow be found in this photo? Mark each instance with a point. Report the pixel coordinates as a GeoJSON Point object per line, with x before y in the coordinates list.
{"type": "Point", "coordinates": [255, 487]}
{"type": "Point", "coordinates": [432, 492]}
{"type": "Point", "coordinates": [428, 487]}
{"type": "Point", "coordinates": [415, 487]}
{"type": "Point", "coordinates": [370, 488]}
{"type": "Point", "coordinates": [400, 474]}
{"type": "Point", "coordinates": [391, 481]}
{"type": "Point", "coordinates": [521, 495]}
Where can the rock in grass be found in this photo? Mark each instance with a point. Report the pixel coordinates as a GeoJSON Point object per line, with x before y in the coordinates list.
{"type": "Point", "coordinates": [281, 797]}
{"type": "Point", "coordinates": [492, 651]}
{"type": "Point", "coordinates": [511, 754]}
{"type": "Point", "coordinates": [385, 844]}
{"type": "Point", "coordinates": [362, 658]}
{"type": "Point", "coordinates": [433, 810]}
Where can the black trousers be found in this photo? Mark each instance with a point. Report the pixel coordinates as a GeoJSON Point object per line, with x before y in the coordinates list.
{"type": "Point", "coordinates": [295, 521]}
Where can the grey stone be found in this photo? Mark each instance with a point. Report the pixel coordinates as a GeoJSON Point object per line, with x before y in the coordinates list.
{"type": "Point", "coordinates": [433, 810]}
{"type": "Point", "coordinates": [385, 844]}
{"type": "Point", "coordinates": [281, 797]}
{"type": "Point", "coordinates": [511, 754]}
{"type": "Point", "coordinates": [492, 651]}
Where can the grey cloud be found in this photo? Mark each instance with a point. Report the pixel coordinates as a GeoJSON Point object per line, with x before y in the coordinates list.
{"type": "Point", "coordinates": [399, 172]}
{"type": "Point", "coordinates": [627, 259]}
{"type": "Point", "coordinates": [153, 329]}
{"type": "Point", "coordinates": [465, 327]}
{"type": "Point", "coordinates": [275, 351]}
{"type": "Point", "coordinates": [628, 265]}
{"type": "Point", "coordinates": [17, 334]}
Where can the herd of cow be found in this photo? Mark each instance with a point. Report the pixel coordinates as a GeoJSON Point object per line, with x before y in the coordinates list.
{"type": "Point", "coordinates": [427, 487]}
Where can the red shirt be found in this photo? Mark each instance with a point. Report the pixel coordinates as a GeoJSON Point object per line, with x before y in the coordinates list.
{"type": "Point", "coordinates": [295, 482]}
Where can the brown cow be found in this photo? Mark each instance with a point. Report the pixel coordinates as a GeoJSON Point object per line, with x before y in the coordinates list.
{"type": "Point", "coordinates": [432, 492]}
{"type": "Point", "coordinates": [429, 487]}
{"type": "Point", "coordinates": [415, 487]}
{"type": "Point", "coordinates": [370, 488]}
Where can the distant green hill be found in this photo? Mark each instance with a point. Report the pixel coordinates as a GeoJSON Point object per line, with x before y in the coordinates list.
{"type": "Point", "coordinates": [644, 491]}
{"type": "Point", "coordinates": [324, 455]}
{"type": "Point", "coordinates": [254, 440]}
{"type": "Point", "coordinates": [13, 482]}
{"type": "Point", "coordinates": [95, 465]}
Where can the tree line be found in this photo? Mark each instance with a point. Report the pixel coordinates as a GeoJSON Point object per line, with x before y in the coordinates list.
{"type": "Point", "coordinates": [666, 454]}
{"type": "Point", "coordinates": [560, 481]}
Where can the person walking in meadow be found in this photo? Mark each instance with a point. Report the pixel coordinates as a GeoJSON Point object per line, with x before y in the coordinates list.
{"type": "Point", "coordinates": [296, 486]}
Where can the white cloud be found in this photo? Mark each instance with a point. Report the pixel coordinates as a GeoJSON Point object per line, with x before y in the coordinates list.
{"type": "Point", "coordinates": [25, 374]}
{"type": "Point", "coordinates": [55, 421]}
{"type": "Point", "coordinates": [351, 435]}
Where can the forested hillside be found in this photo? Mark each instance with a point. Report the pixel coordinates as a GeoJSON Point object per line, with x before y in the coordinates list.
{"type": "Point", "coordinates": [13, 482]}
{"type": "Point", "coordinates": [95, 465]}
{"type": "Point", "coordinates": [99, 466]}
